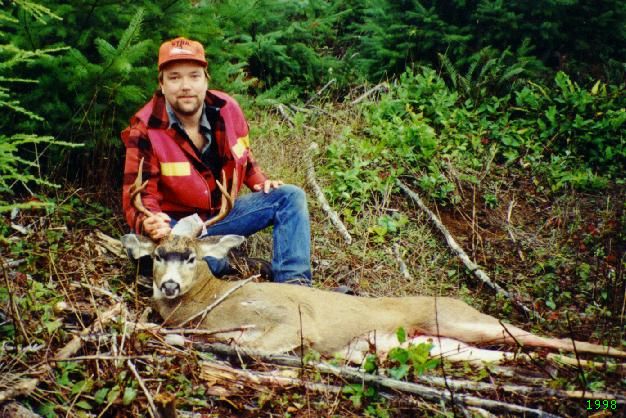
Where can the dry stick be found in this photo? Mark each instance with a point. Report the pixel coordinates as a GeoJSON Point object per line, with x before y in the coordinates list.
{"type": "Point", "coordinates": [15, 314]}
{"type": "Point", "coordinates": [351, 374]}
{"type": "Point", "coordinates": [471, 266]}
{"type": "Point", "coordinates": [76, 342]}
{"type": "Point", "coordinates": [320, 91]}
{"type": "Point", "coordinates": [153, 410]}
{"type": "Point", "coordinates": [365, 95]}
{"type": "Point", "coordinates": [283, 113]}
{"type": "Point", "coordinates": [461, 384]}
{"type": "Point", "coordinates": [215, 373]}
{"type": "Point", "coordinates": [401, 264]}
{"type": "Point", "coordinates": [203, 313]}
{"type": "Point", "coordinates": [109, 357]}
{"type": "Point", "coordinates": [509, 229]}
{"type": "Point", "coordinates": [310, 178]}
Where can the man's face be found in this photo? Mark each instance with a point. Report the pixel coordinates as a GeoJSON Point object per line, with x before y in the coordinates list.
{"type": "Point", "coordinates": [184, 86]}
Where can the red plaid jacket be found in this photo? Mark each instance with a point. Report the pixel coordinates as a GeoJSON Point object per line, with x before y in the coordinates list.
{"type": "Point", "coordinates": [179, 183]}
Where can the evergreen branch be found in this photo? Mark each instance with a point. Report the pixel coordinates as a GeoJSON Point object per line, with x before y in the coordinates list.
{"type": "Point", "coordinates": [38, 11]}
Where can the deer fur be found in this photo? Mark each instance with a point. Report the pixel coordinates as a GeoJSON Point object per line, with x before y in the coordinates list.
{"type": "Point", "coordinates": [277, 318]}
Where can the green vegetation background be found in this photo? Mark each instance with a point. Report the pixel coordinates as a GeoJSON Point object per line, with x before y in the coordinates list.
{"type": "Point", "coordinates": [540, 84]}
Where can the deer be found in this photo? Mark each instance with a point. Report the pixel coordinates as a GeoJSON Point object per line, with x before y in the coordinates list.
{"type": "Point", "coordinates": [274, 318]}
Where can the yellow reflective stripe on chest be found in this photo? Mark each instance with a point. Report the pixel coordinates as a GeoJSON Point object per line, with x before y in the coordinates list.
{"type": "Point", "coordinates": [176, 169]}
{"type": "Point", "coordinates": [241, 146]}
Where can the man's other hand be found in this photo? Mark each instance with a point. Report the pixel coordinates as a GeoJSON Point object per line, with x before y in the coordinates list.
{"type": "Point", "coordinates": [268, 185]}
{"type": "Point", "coordinates": [157, 226]}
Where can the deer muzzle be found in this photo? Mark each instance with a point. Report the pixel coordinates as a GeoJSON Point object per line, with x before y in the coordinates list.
{"type": "Point", "coordinates": [170, 289]}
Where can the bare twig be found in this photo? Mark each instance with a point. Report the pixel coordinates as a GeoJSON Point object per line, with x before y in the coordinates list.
{"type": "Point", "coordinates": [15, 313]}
{"type": "Point", "coordinates": [310, 177]}
{"type": "Point", "coordinates": [153, 411]}
{"type": "Point", "coordinates": [203, 313]}
{"type": "Point", "coordinates": [471, 266]}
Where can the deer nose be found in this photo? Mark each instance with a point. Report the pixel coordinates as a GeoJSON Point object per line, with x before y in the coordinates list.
{"type": "Point", "coordinates": [170, 288]}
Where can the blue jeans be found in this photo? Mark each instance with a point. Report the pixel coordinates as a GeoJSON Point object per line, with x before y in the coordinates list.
{"type": "Point", "coordinates": [286, 209]}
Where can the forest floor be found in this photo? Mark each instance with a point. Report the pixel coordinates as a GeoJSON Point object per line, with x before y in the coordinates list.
{"type": "Point", "coordinates": [563, 255]}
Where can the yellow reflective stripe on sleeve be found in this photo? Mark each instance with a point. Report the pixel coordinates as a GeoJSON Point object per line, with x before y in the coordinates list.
{"type": "Point", "coordinates": [176, 169]}
{"type": "Point", "coordinates": [245, 140]}
{"type": "Point", "coordinates": [241, 146]}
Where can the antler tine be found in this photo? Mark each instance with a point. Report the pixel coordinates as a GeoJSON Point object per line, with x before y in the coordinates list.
{"type": "Point", "coordinates": [135, 191]}
{"type": "Point", "coordinates": [228, 200]}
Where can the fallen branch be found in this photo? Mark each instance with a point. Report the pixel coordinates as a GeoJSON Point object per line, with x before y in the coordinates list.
{"type": "Point", "coordinates": [76, 342]}
{"type": "Point", "coordinates": [471, 266]}
{"type": "Point", "coordinates": [381, 86]}
{"type": "Point", "coordinates": [320, 91]}
{"type": "Point", "coordinates": [219, 375]}
{"type": "Point", "coordinates": [354, 375]}
{"type": "Point", "coordinates": [310, 177]}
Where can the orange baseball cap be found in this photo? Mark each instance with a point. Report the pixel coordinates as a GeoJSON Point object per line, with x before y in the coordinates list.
{"type": "Point", "coordinates": [181, 49]}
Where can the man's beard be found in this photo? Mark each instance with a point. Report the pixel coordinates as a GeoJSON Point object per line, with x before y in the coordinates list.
{"type": "Point", "coordinates": [182, 108]}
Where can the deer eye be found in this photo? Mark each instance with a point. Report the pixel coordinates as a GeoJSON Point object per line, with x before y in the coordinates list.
{"type": "Point", "coordinates": [157, 258]}
{"type": "Point", "coordinates": [191, 259]}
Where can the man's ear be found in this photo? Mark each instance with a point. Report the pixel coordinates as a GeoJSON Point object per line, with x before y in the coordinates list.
{"type": "Point", "coordinates": [137, 245]}
{"type": "Point", "coordinates": [219, 249]}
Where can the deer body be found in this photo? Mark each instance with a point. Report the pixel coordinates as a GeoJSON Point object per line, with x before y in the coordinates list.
{"type": "Point", "coordinates": [276, 318]}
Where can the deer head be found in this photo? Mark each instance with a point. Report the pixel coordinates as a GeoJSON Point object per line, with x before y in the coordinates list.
{"type": "Point", "coordinates": [177, 260]}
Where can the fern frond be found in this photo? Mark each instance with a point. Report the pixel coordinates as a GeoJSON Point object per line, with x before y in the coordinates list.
{"type": "Point", "coordinates": [449, 68]}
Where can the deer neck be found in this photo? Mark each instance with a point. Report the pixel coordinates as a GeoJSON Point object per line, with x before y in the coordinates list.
{"type": "Point", "coordinates": [204, 291]}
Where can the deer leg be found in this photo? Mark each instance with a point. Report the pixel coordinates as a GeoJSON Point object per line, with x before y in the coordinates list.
{"type": "Point", "coordinates": [455, 319]}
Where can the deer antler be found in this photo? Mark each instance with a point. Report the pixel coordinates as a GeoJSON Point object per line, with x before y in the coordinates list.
{"type": "Point", "coordinates": [135, 191]}
{"type": "Point", "coordinates": [228, 201]}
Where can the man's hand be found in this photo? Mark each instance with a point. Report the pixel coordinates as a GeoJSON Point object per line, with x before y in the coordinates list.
{"type": "Point", "coordinates": [268, 185]}
{"type": "Point", "coordinates": [157, 226]}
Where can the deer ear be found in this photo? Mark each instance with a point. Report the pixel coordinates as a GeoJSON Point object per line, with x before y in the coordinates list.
{"type": "Point", "coordinates": [219, 247]}
{"type": "Point", "coordinates": [137, 245]}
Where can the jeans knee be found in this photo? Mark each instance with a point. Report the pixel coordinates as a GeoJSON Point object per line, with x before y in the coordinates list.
{"type": "Point", "coordinates": [294, 194]}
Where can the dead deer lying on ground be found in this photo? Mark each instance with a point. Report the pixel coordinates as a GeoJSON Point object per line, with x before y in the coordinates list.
{"type": "Point", "coordinates": [277, 318]}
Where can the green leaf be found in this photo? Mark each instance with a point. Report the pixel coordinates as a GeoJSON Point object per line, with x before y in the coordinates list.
{"type": "Point", "coordinates": [401, 335]}
{"type": "Point", "coordinates": [83, 405]}
{"type": "Point", "coordinates": [101, 395]}
{"type": "Point", "coordinates": [399, 354]}
{"type": "Point", "coordinates": [399, 372]}
{"type": "Point", "coordinates": [130, 394]}
{"type": "Point", "coordinates": [113, 394]}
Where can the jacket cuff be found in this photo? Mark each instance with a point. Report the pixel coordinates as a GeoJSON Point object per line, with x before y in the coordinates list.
{"type": "Point", "coordinates": [256, 178]}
